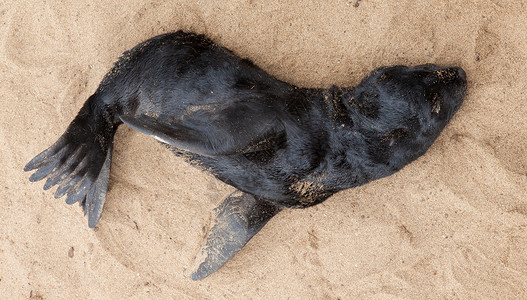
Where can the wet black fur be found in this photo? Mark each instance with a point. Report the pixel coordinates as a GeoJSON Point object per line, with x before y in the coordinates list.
{"type": "Point", "coordinates": [289, 146]}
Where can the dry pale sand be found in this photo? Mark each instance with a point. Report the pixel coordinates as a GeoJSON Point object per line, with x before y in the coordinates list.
{"type": "Point", "coordinates": [451, 225]}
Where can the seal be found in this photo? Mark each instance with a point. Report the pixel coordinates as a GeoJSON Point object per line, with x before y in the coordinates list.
{"type": "Point", "coordinates": [280, 145]}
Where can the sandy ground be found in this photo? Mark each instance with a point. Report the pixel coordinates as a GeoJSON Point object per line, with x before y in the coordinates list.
{"type": "Point", "coordinates": [451, 225]}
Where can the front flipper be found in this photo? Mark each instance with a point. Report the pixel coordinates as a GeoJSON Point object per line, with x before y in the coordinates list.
{"type": "Point", "coordinates": [173, 134]}
{"type": "Point", "coordinates": [238, 219]}
{"type": "Point", "coordinates": [236, 128]}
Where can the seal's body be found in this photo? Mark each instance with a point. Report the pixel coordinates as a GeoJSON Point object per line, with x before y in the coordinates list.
{"type": "Point", "coordinates": [279, 145]}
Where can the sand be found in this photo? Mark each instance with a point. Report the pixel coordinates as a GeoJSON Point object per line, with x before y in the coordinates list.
{"type": "Point", "coordinates": [452, 225]}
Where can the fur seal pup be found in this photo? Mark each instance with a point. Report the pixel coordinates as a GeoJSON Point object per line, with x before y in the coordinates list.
{"type": "Point", "coordinates": [281, 146]}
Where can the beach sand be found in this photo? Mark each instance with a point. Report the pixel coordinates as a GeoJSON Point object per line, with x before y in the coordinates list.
{"type": "Point", "coordinates": [451, 225]}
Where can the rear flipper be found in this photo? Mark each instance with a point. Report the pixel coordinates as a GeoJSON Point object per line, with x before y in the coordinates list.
{"type": "Point", "coordinates": [238, 219]}
{"type": "Point", "coordinates": [79, 161]}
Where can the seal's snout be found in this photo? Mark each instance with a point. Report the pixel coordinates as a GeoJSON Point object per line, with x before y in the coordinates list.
{"type": "Point", "coordinates": [454, 75]}
{"type": "Point", "coordinates": [461, 73]}
{"type": "Point", "coordinates": [453, 81]}
{"type": "Point", "coordinates": [436, 75]}
{"type": "Point", "coordinates": [461, 87]}
{"type": "Point", "coordinates": [443, 88]}
{"type": "Point", "coordinates": [448, 82]}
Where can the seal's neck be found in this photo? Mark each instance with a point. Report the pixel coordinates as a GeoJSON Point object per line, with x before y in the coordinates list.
{"type": "Point", "coordinates": [337, 102]}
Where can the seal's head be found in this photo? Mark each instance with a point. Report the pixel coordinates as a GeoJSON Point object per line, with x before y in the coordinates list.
{"type": "Point", "coordinates": [423, 98]}
{"type": "Point", "coordinates": [401, 111]}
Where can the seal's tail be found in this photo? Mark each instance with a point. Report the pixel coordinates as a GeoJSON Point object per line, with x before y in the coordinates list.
{"type": "Point", "coordinates": [79, 161]}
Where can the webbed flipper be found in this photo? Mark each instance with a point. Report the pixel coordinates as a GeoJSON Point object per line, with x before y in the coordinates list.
{"type": "Point", "coordinates": [79, 161]}
{"type": "Point", "coordinates": [237, 220]}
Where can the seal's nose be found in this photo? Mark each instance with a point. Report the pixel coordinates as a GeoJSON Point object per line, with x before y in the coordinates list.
{"type": "Point", "coordinates": [461, 73]}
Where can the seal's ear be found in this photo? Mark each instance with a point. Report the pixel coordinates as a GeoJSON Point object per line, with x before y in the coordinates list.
{"type": "Point", "coordinates": [234, 129]}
